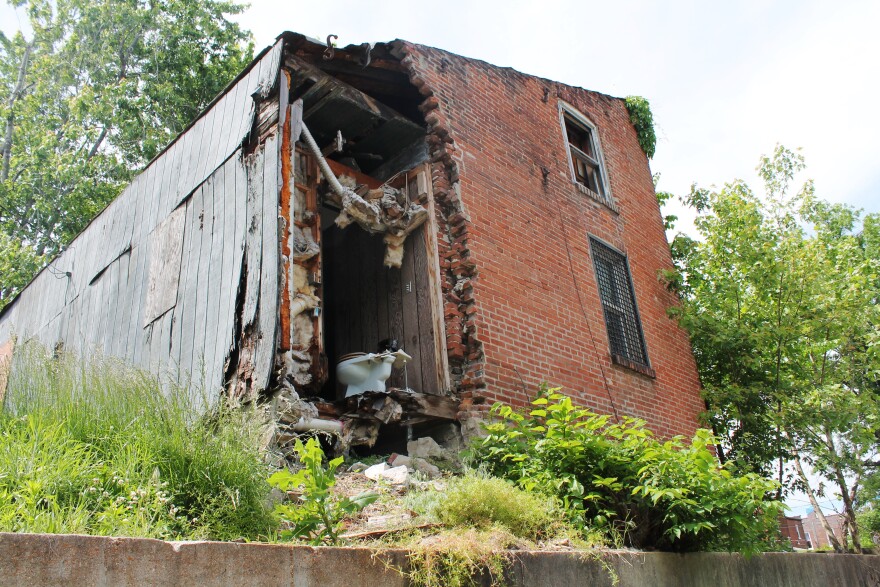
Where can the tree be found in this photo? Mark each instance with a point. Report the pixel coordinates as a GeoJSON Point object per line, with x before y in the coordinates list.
{"type": "Point", "coordinates": [87, 98]}
{"type": "Point", "coordinates": [780, 297]}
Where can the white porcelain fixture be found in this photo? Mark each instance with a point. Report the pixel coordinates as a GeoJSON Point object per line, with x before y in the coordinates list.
{"type": "Point", "coordinates": [361, 372]}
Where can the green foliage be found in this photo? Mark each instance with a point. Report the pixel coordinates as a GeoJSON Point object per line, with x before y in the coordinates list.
{"type": "Point", "coordinates": [100, 448]}
{"type": "Point", "coordinates": [18, 264]}
{"type": "Point", "coordinates": [461, 558]}
{"type": "Point", "coordinates": [669, 220]}
{"type": "Point", "coordinates": [94, 93]}
{"type": "Point", "coordinates": [618, 477]}
{"type": "Point", "coordinates": [780, 297]}
{"type": "Point", "coordinates": [319, 514]}
{"type": "Point", "coordinates": [643, 120]}
{"type": "Point", "coordinates": [481, 501]}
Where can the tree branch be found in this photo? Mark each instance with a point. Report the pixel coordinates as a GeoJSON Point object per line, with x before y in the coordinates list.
{"type": "Point", "coordinates": [6, 150]}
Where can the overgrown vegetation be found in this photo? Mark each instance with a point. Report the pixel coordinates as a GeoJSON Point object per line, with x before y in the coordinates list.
{"type": "Point", "coordinates": [477, 500]}
{"type": "Point", "coordinates": [103, 449]}
{"type": "Point", "coordinates": [643, 120]}
{"type": "Point", "coordinates": [462, 557]}
{"type": "Point", "coordinates": [317, 515]}
{"type": "Point", "coordinates": [615, 476]}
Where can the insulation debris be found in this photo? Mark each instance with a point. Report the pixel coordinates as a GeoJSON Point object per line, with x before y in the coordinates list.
{"type": "Point", "coordinates": [390, 214]}
{"type": "Point", "coordinates": [384, 210]}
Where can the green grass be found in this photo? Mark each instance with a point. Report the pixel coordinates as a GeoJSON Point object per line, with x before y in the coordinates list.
{"type": "Point", "coordinates": [480, 501]}
{"type": "Point", "coordinates": [101, 448]}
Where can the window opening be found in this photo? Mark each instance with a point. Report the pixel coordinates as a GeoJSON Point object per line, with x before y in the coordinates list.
{"type": "Point", "coordinates": [585, 155]}
{"type": "Point", "coordinates": [619, 304]}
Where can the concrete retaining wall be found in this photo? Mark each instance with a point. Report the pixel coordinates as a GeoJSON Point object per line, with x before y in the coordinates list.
{"type": "Point", "coordinates": [37, 560]}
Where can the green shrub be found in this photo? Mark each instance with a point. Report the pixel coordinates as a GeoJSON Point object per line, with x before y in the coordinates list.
{"type": "Point", "coordinates": [101, 448]}
{"type": "Point", "coordinates": [481, 501]}
{"type": "Point", "coordinates": [643, 492]}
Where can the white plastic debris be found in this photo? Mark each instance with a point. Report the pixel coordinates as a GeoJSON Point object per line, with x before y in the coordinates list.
{"type": "Point", "coordinates": [375, 472]}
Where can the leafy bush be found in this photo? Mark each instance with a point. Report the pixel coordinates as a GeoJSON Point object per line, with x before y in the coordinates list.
{"type": "Point", "coordinates": [616, 476]}
{"type": "Point", "coordinates": [318, 515]}
{"type": "Point", "coordinates": [101, 448]}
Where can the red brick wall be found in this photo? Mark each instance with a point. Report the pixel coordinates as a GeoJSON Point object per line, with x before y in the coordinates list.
{"type": "Point", "coordinates": [535, 313]}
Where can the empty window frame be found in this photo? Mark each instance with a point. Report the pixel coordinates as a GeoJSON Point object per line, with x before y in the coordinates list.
{"type": "Point", "coordinates": [619, 305]}
{"type": "Point", "coordinates": [584, 153]}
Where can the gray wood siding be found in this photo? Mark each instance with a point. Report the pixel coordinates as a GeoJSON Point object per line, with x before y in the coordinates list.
{"type": "Point", "coordinates": [94, 296]}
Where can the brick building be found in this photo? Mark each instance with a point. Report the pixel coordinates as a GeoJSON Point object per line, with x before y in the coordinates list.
{"type": "Point", "coordinates": [815, 532]}
{"type": "Point", "coordinates": [506, 233]}
{"type": "Point", "coordinates": [792, 528]}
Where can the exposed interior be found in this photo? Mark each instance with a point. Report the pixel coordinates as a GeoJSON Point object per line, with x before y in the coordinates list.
{"type": "Point", "coordinates": [344, 295]}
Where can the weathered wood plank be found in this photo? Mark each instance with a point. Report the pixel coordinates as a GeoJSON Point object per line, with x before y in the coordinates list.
{"type": "Point", "coordinates": [141, 353]}
{"type": "Point", "coordinates": [203, 293]}
{"type": "Point", "coordinates": [188, 309]}
{"type": "Point", "coordinates": [212, 124]}
{"type": "Point", "coordinates": [193, 180]}
{"type": "Point", "coordinates": [165, 250]}
{"type": "Point", "coordinates": [70, 323]}
{"type": "Point", "coordinates": [246, 111]}
{"type": "Point", "coordinates": [425, 191]}
{"type": "Point", "coordinates": [430, 379]}
{"type": "Point", "coordinates": [269, 275]}
{"type": "Point", "coordinates": [215, 281]}
{"type": "Point", "coordinates": [124, 317]}
{"type": "Point", "coordinates": [110, 308]}
{"type": "Point", "coordinates": [136, 269]}
{"type": "Point", "coordinates": [238, 108]}
{"type": "Point", "coordinates": [228, 284]}
{"type": "Point", "coordinates": [116, 335]}
{"type": "Point", "coordinates": [154, 342]}
{"type": "Point", "coordinates": [253, 237]}
{"type": "Point", "coordinates": [168, 193]}
{"type": "Point", "coordinates": [185, 187]}
{"type": "Point", "coordinates": [236, 285]}
{"type": "Point", "coordinates": [163, 180]}
{"type": "Point", "coordinates": [222, 129]}
{"type": "Point", "coordinates": [382, 309]}
{"type": "Point", "coordinates": [270, 66]}
{"type": "Point", "coordinates": [411, 343]}
{"type": "Point", "coordinates": [178, 341]}
{"type": "Point", "coordinates": [367, 303]}
{"type": "Point", "coordinates": [122, 314]}
{"type": "Point", "coordinates": [395, 318]}
{"type": "Point", "coordinates": [164, 366]}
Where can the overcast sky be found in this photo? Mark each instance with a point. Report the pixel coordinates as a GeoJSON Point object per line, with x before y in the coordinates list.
{"type": "Point", "coordinates": [726, 80]}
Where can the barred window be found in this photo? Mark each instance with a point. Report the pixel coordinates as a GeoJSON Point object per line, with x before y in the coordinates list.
{"type": "Point", "coordinates": [619, 304]}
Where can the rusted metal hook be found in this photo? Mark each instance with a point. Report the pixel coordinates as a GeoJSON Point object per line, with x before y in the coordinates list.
{"type": "Point", "coordinates": [330, 51]}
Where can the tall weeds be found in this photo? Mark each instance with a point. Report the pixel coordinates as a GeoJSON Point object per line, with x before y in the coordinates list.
{"type": "Point", "coordinates": [98, 447]}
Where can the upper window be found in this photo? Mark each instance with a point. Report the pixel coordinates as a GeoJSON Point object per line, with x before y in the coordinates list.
{"type": "Point", "coordinates": [585, 155]}
{"type": "Point", "coordinates": [619, 305]}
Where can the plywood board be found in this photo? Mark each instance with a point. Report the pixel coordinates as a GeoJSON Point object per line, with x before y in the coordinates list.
{"type": "Point", "coordinates": [166, 243]}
